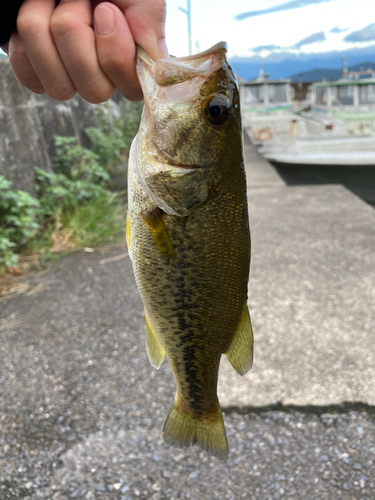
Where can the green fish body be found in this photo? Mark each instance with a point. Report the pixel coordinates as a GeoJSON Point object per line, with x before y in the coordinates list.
{"type": "Point", "coordinates": [188, 234]}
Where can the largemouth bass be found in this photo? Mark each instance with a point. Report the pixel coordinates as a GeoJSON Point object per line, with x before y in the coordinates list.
{"type": "Point", "coordinates": [188, 234]}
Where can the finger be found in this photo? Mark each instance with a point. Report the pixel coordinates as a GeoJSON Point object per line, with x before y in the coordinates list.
{"type": "Point", "coordinates": [146, 21]}
{"type": "Point", "coordinates": [116, 50]}
{"type": "Point", "coordinates": [75, 41]}
{"type": "Point", "coordinates": [33, 28]}
{"type": "Point", "coordinates": [21, 65]}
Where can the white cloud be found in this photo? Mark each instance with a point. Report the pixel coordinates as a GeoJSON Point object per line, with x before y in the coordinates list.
{"type": "Point", "coordinates": [213, 22]}
{"type": "Point", "coordinates": [291, 5]}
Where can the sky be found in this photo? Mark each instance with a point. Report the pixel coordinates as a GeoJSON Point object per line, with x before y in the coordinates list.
{"type": "Point", "coordinates": [288, 35]}
{"type": "Point", "coordinates": [273, 27]}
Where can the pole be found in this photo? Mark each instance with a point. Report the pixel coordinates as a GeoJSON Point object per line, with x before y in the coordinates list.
{"type": "Point", "coordinates": [189, 26]}
{"type": "Point", "coordinates": [188, 15]}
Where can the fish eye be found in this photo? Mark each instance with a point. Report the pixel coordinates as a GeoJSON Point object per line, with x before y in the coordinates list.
{"type": "Point", "coordinates": [216, 109]}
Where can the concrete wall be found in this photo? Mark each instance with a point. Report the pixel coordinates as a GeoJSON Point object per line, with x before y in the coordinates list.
{"type": "Point", "coordinates": [28, 124]}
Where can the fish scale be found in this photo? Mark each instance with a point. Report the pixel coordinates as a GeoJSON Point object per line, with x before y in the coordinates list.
{"type": "Point", "coordinates": [189, 241]}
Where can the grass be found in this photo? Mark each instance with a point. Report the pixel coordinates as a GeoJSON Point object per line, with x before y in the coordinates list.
{"type": "Point", "coordinates": [75, 207]}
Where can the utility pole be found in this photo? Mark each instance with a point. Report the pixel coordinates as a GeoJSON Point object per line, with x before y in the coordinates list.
{"type": "Point", "coordinates": [187, 11]}
{"type": "Point", "coordinates": [345, 71]}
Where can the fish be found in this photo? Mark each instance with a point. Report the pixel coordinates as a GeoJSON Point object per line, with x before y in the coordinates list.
{"type": "Point", "coordinates": [188, 234]}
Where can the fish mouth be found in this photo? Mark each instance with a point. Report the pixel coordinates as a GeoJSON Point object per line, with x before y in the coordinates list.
{"type": "Point", "coordinates": [219, 47]}
{"type": "Point", "coordinates": [169, 72]}
{"type": "Point", "coordinates": [159, 157]}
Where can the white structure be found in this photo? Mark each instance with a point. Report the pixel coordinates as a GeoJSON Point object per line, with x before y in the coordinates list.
{"type": "Point", "coordinates": [265, 106]}
{"type": "Point", "coordinates": [337, 127]}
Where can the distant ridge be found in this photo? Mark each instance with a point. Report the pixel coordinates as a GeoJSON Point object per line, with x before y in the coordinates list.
{"type": "Point", "coordinates": [317, 75]}
{"type": "Point", "coordinates": [279, 66]}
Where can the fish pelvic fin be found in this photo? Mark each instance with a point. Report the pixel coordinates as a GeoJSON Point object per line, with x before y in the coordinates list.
{"type": "Point", "coordinates": [155, 350]}
{"type": "Point", "coordinates": [128, 231]}
{"type": "Point", "coordinates": [240, 352]}
{"type": "Point", "coordinates": [182, 430]}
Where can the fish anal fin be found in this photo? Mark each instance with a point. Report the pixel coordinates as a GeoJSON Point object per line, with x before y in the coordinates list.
{"type": "Point", "coordinates": [159, 232]}
{"type": "Point", "coordinates": [155, 350]}
{"type": "Point", "coordinates": [240, 352]}
{"type": "Point", "coordinates": [182, 429]}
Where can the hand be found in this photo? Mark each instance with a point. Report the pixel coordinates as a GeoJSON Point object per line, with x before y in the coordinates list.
{"type": "Point", "coordinates": [85, 46]}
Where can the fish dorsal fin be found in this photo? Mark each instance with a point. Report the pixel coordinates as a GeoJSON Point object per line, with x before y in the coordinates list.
{"type": "Point", "coordinates": [155, 351]}
{"type": "Point", "coordinates": [240, 352]}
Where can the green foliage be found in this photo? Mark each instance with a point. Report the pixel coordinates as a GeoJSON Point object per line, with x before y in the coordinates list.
{"type": "Point", "coordinates": [75, 198]}
{"type": "Point", "coordinates": [19, 214]}
{"type": "Point", "coordinates": [112, 141]}
{"type": "Point", "coordinates": [101, 220]}
{"type": "Point", "coordinates": [79, 163]}
{"type": "Point", "coordinates": [84, 178]}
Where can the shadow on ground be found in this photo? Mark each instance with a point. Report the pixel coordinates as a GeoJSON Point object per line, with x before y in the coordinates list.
{"type": "Point", "coordinates": [358, 179]}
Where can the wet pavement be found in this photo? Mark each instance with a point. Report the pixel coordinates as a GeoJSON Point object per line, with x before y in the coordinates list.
{"type": "Point", "coordinates": [81, 409]}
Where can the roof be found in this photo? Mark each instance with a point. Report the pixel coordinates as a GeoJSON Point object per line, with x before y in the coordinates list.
{"type": "Point", "coordinates": [260, 82]}
{"type": "Point", "coordinates": [365, 81]}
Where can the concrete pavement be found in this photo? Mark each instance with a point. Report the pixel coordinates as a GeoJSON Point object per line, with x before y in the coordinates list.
{"type": "Point", "coordinates": [81, 409]}
{"type": "Point", "coordinates": [311, 295]}
{"type": "Point", "coordinates": [259, 172]}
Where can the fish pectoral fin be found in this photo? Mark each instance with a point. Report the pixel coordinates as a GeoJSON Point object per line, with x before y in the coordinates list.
{"type": "Point", "coordinates": [128, 231]}
{"type": "Point", "coordinates": [182, 429]}
{"type": "Point", "coordinates": [240, 352]}
{"type": "Point", "coordinates": [155, 350]}
{"type": "Point", "coordinates": [159, 232]}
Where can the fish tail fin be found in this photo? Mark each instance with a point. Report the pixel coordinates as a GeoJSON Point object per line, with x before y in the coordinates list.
{"type": "Point", "coordinates": [182, 429]}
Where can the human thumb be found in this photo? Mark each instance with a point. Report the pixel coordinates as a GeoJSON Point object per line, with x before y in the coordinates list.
{"type": "Point", "coordinates": [146, 21]}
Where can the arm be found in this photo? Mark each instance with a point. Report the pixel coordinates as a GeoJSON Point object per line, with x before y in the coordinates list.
{"type": "Point", "coordinates": [84, 46]}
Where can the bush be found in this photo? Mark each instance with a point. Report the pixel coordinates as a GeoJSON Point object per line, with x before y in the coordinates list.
{"type": "Point", "coordinates": [79, 178]}
{"type": "Point", "coordinates": [19, 214]}
{"type": "Point", "coordinates": [112, 141]}
{"type": "Point", "coordinates": [75, 199]}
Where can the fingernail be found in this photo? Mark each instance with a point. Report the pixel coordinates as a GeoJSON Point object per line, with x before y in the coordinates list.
{"type": "Point", "coordinates": [104, 20]}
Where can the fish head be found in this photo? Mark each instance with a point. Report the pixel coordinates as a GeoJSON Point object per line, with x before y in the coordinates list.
{"type": "Point", "coordinates": [191, 118]}
{"type": "Point", "coordinates": [191, 106]}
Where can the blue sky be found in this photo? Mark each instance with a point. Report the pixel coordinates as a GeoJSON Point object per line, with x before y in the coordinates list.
{"type": "Point", "coordinates": [282, 28]}
{"type": "Point", "coordinates": [286, 34]}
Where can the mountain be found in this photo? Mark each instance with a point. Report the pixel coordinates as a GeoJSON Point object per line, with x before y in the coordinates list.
{"type": "Point", "coordinates": [313, 67]}
{"type": "Point", "coordinates": [317, 75]}
{"type": "Point", "coordinates": [249, 70]}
